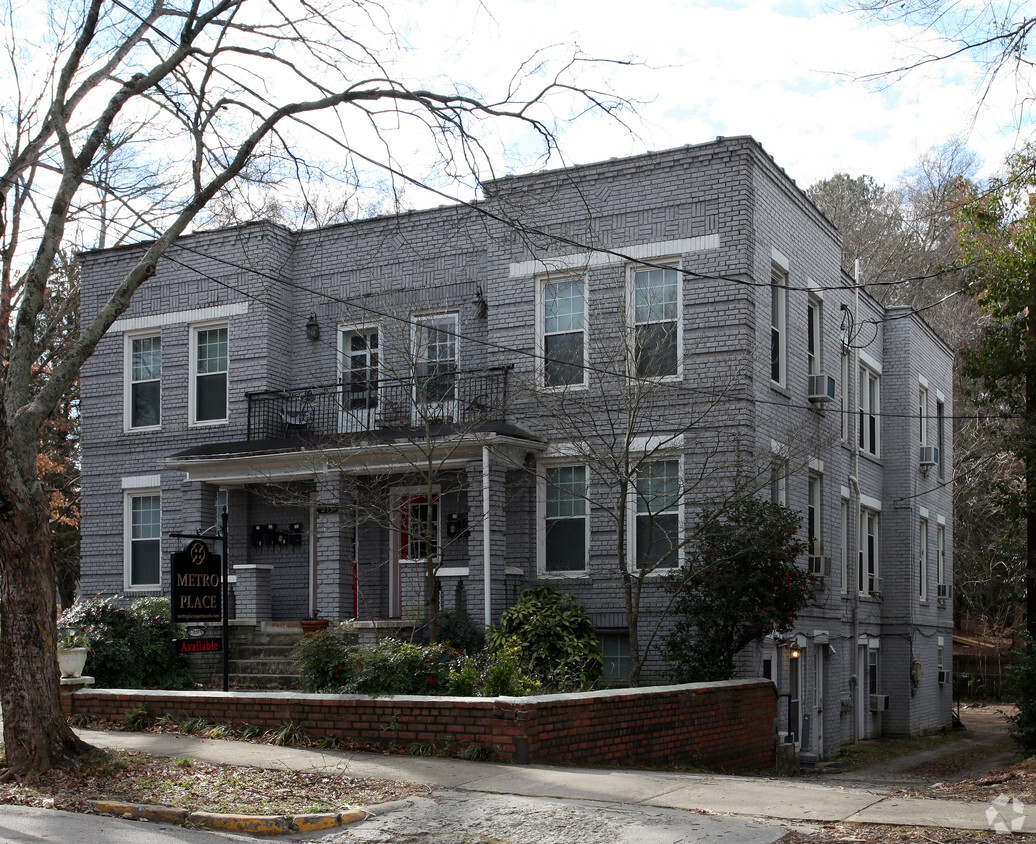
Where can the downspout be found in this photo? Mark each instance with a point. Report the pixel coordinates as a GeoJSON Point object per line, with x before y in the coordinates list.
{"type": "Point", "coordinates": [854, 486]}
{"type": "Point", "coordinates": [487, 555]}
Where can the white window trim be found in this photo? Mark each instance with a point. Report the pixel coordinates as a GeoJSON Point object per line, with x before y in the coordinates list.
{"type": "Point", "coordinates": [869, 449]}
{"type": "Point", "coordinates": [192, 390]}
{"type": "Point", "coordinates": [127, 538]}
{"type": "Point", "coordinates": [399, 494]}
{"type": "Point", "coordinates": [631, 516]}
{"type": "Point", "coordinates": [541, 331]}
{"type": "Point", "coordinates": [815, 303]}
{"type": "Point", "coordinates": [631, 275]}
{"type": "Point", "coordinates": [922, 412]}
{"type": "Point", "coordinates": [815, 484]}
{"type": "Point", "coordinates": [865, 579]}
{"type": "Point", "coordinates": [347, 328]}
{"type": "Point", "coordinates": [127, 383]}
{"type": "Point", "coordinates": [780, 290]}
{"type": "Point", "coordinates": [541, 522]}
{"type": "Point", "coordinates": [922, 559]}
{"type": "Point", "coordinates": [940, 552]}
{"type": "Point", "coordinates": [844, 550]}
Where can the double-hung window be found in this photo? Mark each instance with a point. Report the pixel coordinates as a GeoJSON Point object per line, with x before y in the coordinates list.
{"type": "Point", "coordinates": [435, 373]}
{"type": "Point", "coordinates": [922, 559]}
{"type": "Point", "coordinates": [657, 488]}
{"type": "Point", "coordinates": [867, 571]}
{"type": "Point", "coordinates": [144, 381]}
{"type": "Point", "coordinates": [564, 340]}
{"type": "Point", "coordinates": [209, 368]}
{"type": "Point", "coordinates": [940, 436]}
{"type": "Point", "coordinates": [813, 334]}
{"type": "Point", "coordinates": [143, 533]}
{"type": "Point", "coordinates": [813, 518]}
{"type": "Point", "coordinates": [565, 523]}
{"type": "Point", "coordinates": [870, 411]}
{"type": "Point", "coordinates": [940, 555]}
{"type": "Point", "coordinates": [419, 528]}
{"type": "Point", "coordinates": [656, 312]}
{"type": "Point", "coordinates": [778, 323]}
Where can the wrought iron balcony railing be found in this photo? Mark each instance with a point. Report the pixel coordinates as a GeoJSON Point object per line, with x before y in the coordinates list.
{"type": "Point", "coordinates": [322, 413]}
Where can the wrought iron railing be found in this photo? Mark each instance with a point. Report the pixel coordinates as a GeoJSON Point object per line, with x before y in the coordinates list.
{"type": "Point", "coordinates": [348, 408]}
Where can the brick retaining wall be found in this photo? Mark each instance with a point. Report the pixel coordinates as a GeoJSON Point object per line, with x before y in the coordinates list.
{"type": "Point", "coordinates": [727, 726]}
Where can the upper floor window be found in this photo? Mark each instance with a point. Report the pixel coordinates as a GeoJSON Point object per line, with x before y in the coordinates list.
{"type": "Point", "coordinates": [940, 437]}
{"type": "Point", "coordinates": [657, 488]}
{"type": "Point", "coordinates": [870, 410]}
{"type": "Point", "coordinates": [143, 536]}
{"type": "Point", "coordinates": [778, 324]}
{"type": "Point", "coordinates": [565, 523]}
{"type": "Point", "coordinates": [813, 335]}
{"type": "Point", "coordinates": [435, 366]}
{"type": "Point", "coordinates": [419, 527]}
{"type": "Point", "coordinates": [844, 399]}
{"type": "Point", "coordinates": [813, 520]}
{"type": "Point", "coordinates": [359, 349]}
{"type": "Point", "coordinates": [209, 368]}
{"type": "Point", "coordinates": [922, 414]}
{"type": "Point", "coordinates": [144, 381]}
{"type": "Point", "coordinates": [564, 341]}
{"type": "Point", "coordinates": [867, 573]}
{"type": "Point", "coordinates": [940, 554]}
{"type": "Point", "coordinates": [922, 559]}
{"type": "Point", "coordinates": [656, 312]}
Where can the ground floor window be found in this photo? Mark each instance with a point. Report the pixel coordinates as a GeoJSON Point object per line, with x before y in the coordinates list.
{"type": "Point", "coordinates": [143, 540]}
{"type": "Point", "coordinates": [615, 647]}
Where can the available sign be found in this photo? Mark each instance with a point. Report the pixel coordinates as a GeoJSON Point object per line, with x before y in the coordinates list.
{"type": "Point", "coordinates": [196, 583]}
{"type": "Point", "coordinates": [199, 646]}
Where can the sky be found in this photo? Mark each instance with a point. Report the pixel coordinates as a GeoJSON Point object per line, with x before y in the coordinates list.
{"type": "Point", "coordinates": [786, 73]}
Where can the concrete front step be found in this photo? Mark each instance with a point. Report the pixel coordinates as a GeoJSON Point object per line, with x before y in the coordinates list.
{"type": "Point", "coordinates": [264, 681]}
{"type": "Point", "coordinates": [264, 661]}
{"type": "Point", "coordinates": [264, 651]}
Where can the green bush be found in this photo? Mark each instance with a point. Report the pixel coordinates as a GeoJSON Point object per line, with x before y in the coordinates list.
{"type": "Point", "coordinates": [1021, 690]}
{"type": "Point", "coordinates": [131, 644]}
{"type": "Point", "coordinates": [455, 628]}
{"type": "Point", "coordinates": [555, 636]}
{"type": "Point", "coordinates": [329, 662]}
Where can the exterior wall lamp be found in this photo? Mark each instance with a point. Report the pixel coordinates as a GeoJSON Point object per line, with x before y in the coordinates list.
{"type": "Point", "coordinates": [313, 327]}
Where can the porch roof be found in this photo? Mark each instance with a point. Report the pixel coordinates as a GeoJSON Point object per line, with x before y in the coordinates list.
{"type": "Point", "coordinates": [250, 461]}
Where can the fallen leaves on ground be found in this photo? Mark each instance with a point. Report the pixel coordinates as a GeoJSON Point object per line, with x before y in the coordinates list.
{"type": "Point", "coordinates": [188, 784]}
{"type": "Point", "coordinates": [844, 833]}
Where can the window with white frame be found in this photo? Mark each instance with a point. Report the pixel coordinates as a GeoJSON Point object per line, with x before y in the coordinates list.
{"type": "Point", "coordinates": [922, 559]}
{"type": "Point", "coordinates": [813, 335]}
{"type": "Point", "coordinates": [419, 528]}
{"type": "Point", "coordinates": [940, 437]}
{"type": "Point", "coordinates": [872, 671]}
{"type": "Point", "coordinates": [657, 489]}
{"type": "Point", "coordinates": [778, 323]}
{"type": "Point", "coordinates": [359, 350]}
{"type": "Point", "coordinates": [656, 315]}
{"type": "Point", "coordinates": [564, 340]}
{"type": "Point", "coordinates": [844, 398]}
{"type": "Point", "coordinates": [565, 522]}
{"type": "Point", "coordinates": [143, 398]}
{"type": "Point", "coordinates": [870, 410]}
{"type": "Point", "coordinates": [435, 341]}
{"type": "Point", "coordinates": [209, 368]}
{"type": "Point", "coordinates": [222, 503]}
{"type": "Point", "coordinates": [922, 414]}
{"type": "Point", "coordinates": [845, 547]}
{"type": "Point", "coordinates": [814, 521]}
{"type": "Point", "coordinates": [868, 572]}
{"type": "Point", "coordinates": [940, 554]}
{"type": "Point", "coordinates": [143, 537]}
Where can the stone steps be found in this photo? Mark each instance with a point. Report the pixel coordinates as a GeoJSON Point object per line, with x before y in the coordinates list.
{"type": "Point", "coordinates": [264, 660]}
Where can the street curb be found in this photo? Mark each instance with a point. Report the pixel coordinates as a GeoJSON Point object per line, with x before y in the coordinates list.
{"type": "Point", "coordinates": [258, 825]}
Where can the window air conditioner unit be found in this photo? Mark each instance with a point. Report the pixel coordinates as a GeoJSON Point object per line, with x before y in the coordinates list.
{"type": "Point", "coordinates": [944, 677]}
{"type": "Point", "coordinates": [821, 387]}
{"type": "Point", "coordinates": [876, 587]}
{"type": "Point", "coordinates": [819, 565]}
{"type": "Point", "coordinates": [929, 456]}
{"type": "Point", "coordinates": [943, 591]}
{"type": "Point", "coordinates": [879, 703]}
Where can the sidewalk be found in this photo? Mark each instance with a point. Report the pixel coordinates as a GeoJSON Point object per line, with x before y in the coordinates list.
{"type": "Point", "coordinates": [793, 799]}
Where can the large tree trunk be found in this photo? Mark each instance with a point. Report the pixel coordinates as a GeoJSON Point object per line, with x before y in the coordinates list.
{"type": "Point", "coordinates": [36, 734]}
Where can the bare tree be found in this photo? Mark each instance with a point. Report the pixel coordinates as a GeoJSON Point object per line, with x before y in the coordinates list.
{"type": "Point", "coordinates": [210, 92]}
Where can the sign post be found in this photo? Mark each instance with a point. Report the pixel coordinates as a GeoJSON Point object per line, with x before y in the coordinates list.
{"type": "Point", "coordinates": [199, 587]}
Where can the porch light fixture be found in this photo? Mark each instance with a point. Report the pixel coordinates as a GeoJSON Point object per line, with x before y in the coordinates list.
{"type": "Point", "coordinates": [313, 327]}
{"type": "Point", "coordinates": [795, 653]}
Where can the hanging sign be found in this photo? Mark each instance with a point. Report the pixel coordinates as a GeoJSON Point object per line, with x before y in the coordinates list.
{"type": "Point", "coordinates": [196, 580]}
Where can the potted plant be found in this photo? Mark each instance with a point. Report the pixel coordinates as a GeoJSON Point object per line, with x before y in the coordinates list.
{"type": "Point", "coordinates": [72, 652]}
{"type": "Point", "coordinates": [312, 624]}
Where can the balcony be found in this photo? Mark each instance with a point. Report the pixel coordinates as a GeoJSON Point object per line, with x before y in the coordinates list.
{"type": "Point", "coordinates": [446, 399]}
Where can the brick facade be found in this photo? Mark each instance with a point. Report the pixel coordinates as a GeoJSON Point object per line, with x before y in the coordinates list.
{"type": "Point", "coordinates": [719, 726]}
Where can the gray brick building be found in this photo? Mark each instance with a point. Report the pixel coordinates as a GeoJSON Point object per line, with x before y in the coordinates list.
{"type": "Point", "coordinates": [547, 387]}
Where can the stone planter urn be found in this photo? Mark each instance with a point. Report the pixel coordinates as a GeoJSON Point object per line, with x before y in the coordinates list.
{"type": "Point", "coordinates": [71, 661]}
